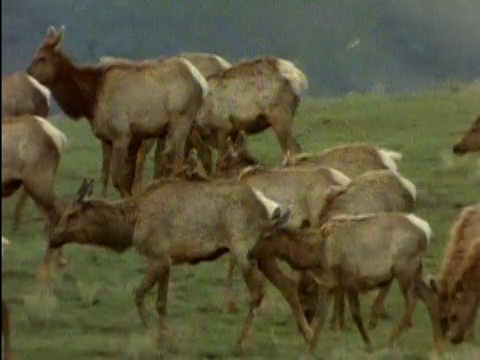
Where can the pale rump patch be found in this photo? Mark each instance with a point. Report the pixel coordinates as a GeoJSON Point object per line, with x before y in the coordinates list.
{"type": "Point", "coordinates": [340, 177]}
{"type": "Point", "coordinates": [421, 224]}
{"type": "Point", "coordinates": [223, 63]}
{"type": "Point", "coordinates": [58, 137]}
{"type": "Point", "coordinates": [198, 77]}
{"type": "Point", "coordinates": [269, 204]}
{"type": "Point", "coordinates": [43, 89]}
{"type": "Point", "coordinates": [5, 242]}
{"type": "Point", "coordinates": [390, 158]}
{"type": "Point", "coordinates": [294, 75]}
{"type": "Point", "coordinates": [408, 185]}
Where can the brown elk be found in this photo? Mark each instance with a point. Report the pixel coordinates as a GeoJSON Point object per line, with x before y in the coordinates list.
{"type": "Point", "coordinates": [375, 191]}
{"type": "Point", "coordinates": [207, 64]}
{"type": "Point", "coordinates": [302, 189]}
{"type": "Point", "coordinates": [124, 103]}
{"type": "Point", "coordinates": [23, 95]}
{"type": "Point", "coordinates": [252, 96]}
{"type": "Point", "coordinates": [352, 253]}
{"type": "Point", "coordinates": [175, 222]}
{"type": "Point", "coordinates": [470, 142]}
{"type": "Point", "coordinates": [31, 151]}
{"type": "Point", "coordinates": [351, 159]}
{"type": "Point", "coordinates": [7, 346]}
{"type": "Point", "coordinates": [458, 296]}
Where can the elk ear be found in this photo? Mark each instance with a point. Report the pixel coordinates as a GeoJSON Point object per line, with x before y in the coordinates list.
{"type": "Point", "coordinates": [334, 191]}
{"type": "Point", "coordinates": [51, 33]}
{"type": "Point", "coordinates": [59, 39]}
{"type": "Point", "coordinates": [84, 190]}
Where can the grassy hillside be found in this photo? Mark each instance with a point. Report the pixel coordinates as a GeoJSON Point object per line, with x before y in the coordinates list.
{"type": "Point", "coordinates": [91, 314]}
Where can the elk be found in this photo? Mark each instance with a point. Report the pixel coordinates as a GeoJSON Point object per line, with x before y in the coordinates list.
{"type": "Point", "coordinates": [207, 64]}
{"type": "Point", "coordinates": [454, 285]}
{"type": "Point", "coordinates": [302, 189]}
{"type": "Point", "coordinates": [351, 159]}
{"type": "Point", "coordinates": [470, 142]}
{"type": "Point", "coordinates": [31, 151]}
{"type": "Point", "coordinates": [375, 191]}
{"type": "Point", "coordinates": [339, 256]}
{"type": "Point", "coordinates": [175, 222]}
{"type": "Point", "coordinates": [124, 103]}
{"type": "Point", "coordinates": [23, 95]}
{"type": "Point", "coordinates": [253, 95]}
{"type": "Point", "coordinates": [7, 346]}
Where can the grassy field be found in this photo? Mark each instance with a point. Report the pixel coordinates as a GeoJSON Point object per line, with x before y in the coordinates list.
{"type": "Point", "coordinates": [90, 314]}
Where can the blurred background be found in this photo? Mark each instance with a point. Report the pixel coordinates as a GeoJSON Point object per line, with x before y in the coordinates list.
{"type": "Point", "coordinates": [342, 45]}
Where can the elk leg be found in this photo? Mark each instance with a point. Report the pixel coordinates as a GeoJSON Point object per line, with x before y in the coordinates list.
{"type": "Point", "coordinates": [282, 126]}
{"type": "Point", "coordinates": [123, 165]}
{"type": "Point", "coordinates": [353, 301]}
{"type": "Point", "coordinates": [231, 307]}
{"type": "Point", "coordinates": [106, 160]}
{"type": "Point", "coordinates": [160, 159]}
{"type": "Point", "coordinates": [378, 306]}
{"type": "Point", "coordinates": [176, 140]}
{"type": "Point", "coordinates": [256, 288]}
{"type": "Point", "coordinates": [287, 288]}
{"type": "Point", "coordinates": [163, 280]}
{"type": "Point", "coordinates": [6, 332]}
{"type": "Point", "coordinates": [22, 200]}
{"type": "Point", "coordinates": [204, 151]}
{"type": "Point", "coordinates": [337, 322]}
{"type": "Point", "coordinates": [407, 286]}
{"type": "Point", "coordinates": [147, 283]}
{"type": "Point", "coordinates": [430, 299]}
{"type": "Point", "coordinates": [320, 315]}
{"type": "Point", "coordinates": [140, 164]}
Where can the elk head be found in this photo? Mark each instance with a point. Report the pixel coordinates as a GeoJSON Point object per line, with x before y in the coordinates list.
{"type": "Point", "coordinates": [470, 142]}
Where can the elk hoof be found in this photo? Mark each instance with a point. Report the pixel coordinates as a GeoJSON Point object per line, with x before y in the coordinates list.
{"type": "Point", "coordinates": [368, 348]}
{"type": "Point", "coordinates": [372, 324]}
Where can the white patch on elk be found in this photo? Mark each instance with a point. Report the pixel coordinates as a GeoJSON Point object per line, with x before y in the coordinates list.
{"type": "Point", "coordinates": [198, 77]}
{"type": "Point", "coordinates": [294, 75]}
{"type": "Point", "coordinates": [339, 177]}
{"type": "Point", "coordinates": [390, 158]}
{"type": "Point", "coordinates": [43, 89]}
{"type": "Point", "coordinates": [223, 63]}
{"type": "Point", "coordinates": [269, 204]}
{"type": "Point", "coordinates": [58, 137]}
{"type": "Point", "coordinates": [421, 224]}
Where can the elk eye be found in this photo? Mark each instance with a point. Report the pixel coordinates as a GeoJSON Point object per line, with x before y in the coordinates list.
{"type": "Point", "coordinates": [41, 59]}
{"type": "Point", "coordinates": [453, 318]}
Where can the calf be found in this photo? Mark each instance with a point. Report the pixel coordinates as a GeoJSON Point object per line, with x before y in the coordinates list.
{"type": "Point", "coordinates": [352, 253]}
{"type": "Point", "coordinates": [175, 222]}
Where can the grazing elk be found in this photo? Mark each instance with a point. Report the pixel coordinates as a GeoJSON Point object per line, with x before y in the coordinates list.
{"type": "Point", "coordinates": [252, 96]}
{"type": "Point", "coordinates": [375, 191]}
{"type": "Point", "coordinates": [23, 95]}
{"type": "Point", "coordinates": [352, 253]}
{"type": "Point", "coordinates": [351, 159]}
{"type": "Point", "coordinates": [175, 222]}
{"type": "Point", "coordinates": [7, 346]}
{"type": "Point", "coordinates": [207, 64]}
{"type": "Point", "coordinates": [124, 103]}
{"type": "Point", "coordinates": [457, 286]}
{"type": "Point", "coordinates": [470, 142]}
{"type": "Point", "coordinates": [302, 189]}
{"type": "Point", "coordinates": [31, 151]}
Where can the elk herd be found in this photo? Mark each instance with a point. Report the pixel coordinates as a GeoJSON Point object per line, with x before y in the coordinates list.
{"type": "Point", "coordinates": [343, 219]}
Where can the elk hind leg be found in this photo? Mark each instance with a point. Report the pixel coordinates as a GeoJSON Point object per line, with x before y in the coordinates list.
{"type": "Point", "coordinates": [378, 306]}
{"type": "Point", "coordinates": [407, 287]}
{"type": "Point", "coordinates": [354, 302]}
{"type": "Point", "coordinates": [231, 306]}
{"type": "Point", "coordinates": [20, 205]}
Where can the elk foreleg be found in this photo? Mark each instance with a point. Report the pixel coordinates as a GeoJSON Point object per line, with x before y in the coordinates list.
{"type": "Point", "coordinates": [22, 200]}
{"type": "Point", "coordinates": [106, 160]}
{"type": "Point", "coordinates": [124, 155]}
{"type": "Point", "coordinates": [281, 122]}
{"type": "Point", "coordinates": [320, 315]}
{"type": "Point", "coordinates": [176, 140]}
{"type": "Point", "coordinates": [150, 278]}
{"type": "Point", "coordinates": [140, 164]}
{"type": "Point", "coordinates": [231, 307]}
{"type": "Point", "coordinates": [354, 303]}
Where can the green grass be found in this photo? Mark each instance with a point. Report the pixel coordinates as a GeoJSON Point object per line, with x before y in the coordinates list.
{"type": "Point", "coordinates": [90, 313]}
